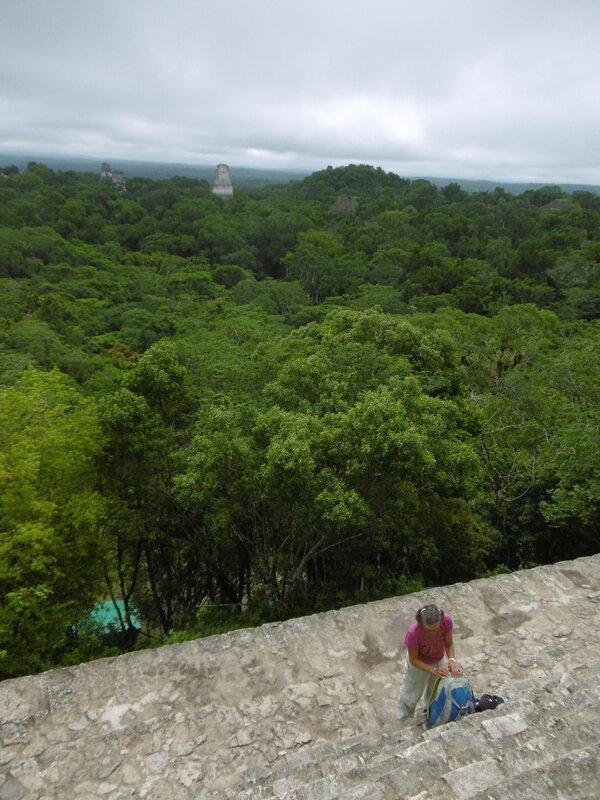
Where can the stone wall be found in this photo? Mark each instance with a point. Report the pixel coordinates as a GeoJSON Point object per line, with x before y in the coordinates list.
{"type": "Point", "coordinates": [304, 710]}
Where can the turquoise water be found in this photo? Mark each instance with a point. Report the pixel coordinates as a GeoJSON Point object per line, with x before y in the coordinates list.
{"type": "Point", "coordinates": [105, 615]}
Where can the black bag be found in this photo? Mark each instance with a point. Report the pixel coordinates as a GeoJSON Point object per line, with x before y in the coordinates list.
{"type": "Point", "coordinates": [487, 701]}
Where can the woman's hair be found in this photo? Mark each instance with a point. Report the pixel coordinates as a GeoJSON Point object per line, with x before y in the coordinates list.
{"type": "Point", "coordinates": [429, 615]}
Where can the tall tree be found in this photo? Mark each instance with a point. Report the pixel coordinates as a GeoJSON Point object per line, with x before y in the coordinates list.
{"type": "Point", "coordinates": [50, 512]}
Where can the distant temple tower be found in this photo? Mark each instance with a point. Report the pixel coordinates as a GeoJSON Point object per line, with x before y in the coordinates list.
{"type": "Point", "coordinates": [222, 185]}
{"type": "Point", "coordinates": [105, 172]}
{"type": "Point", "coordinates": [116, 178]}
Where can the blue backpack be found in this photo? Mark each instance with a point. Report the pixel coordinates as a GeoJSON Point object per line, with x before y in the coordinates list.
{"type": "Point", "coordinates": [450, 699]}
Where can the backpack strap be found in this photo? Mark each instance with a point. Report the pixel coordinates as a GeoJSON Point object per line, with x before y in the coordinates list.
{"type": "Point", "coordinates": [432, 696]}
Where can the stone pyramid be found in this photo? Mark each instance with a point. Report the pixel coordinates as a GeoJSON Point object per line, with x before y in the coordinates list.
{"type": "Point", "coordinates": [304, 710]}
{"type": "Point", "coordinates": [222, 185]}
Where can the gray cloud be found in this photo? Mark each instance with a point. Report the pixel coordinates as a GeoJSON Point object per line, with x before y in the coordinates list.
{"type": "Point", "coordinates": [496, 88]}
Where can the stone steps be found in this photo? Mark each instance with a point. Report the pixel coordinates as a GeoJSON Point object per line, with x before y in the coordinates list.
{"type": "Point", "coordinates": [547, 719]}
{"type": "Point", "coordinates": [550, 726]}
{"type": "Point", "coordinates": [304, 710]}
{"type": "Point", "coordinates": [427, 770]}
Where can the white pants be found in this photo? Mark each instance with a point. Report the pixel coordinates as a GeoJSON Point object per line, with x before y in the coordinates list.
{"type": "Point", "coordinates": [414, 682]}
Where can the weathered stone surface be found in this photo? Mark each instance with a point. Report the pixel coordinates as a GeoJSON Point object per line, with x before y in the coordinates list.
{"type": "Point", "coordinates": [561, 631]}
{"type": "Point", "coordinates": [368, 791]}
{"type": "Point", "coordinates": [221, 185]}
{"type": "Point", "coordinates": [304, 710]}
{"type": "Point", "coordinates": [505, 726]}
{"type": "Point", "coordinates": [466, 782]}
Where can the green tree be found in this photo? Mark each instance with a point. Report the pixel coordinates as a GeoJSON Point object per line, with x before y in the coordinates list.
{"type": "Point", "coordinates": [322, 268]}
{"type": "Point", "coordinates": [144, 423]}
{"type": "Point", "coordinates": [49, 513]}
{"type": "Point", "coordinates": [572, 506]}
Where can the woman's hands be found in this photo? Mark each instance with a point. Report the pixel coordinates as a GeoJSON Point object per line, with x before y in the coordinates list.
{"type": "Point", "coordinates": [454, 668]}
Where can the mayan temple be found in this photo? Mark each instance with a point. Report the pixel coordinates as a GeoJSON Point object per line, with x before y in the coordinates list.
{"type": "Point", "coordinates": [221, 184]}
{"type": "Point", "coordinates": [113, 176]}
{"type": "Point", "coordinates": [305, 709]}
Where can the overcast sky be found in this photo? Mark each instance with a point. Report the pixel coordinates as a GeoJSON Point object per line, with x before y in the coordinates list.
{"type": "Point", "coordinates": [498, 89]}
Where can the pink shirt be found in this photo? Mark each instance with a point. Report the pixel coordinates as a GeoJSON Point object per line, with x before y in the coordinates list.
{"type": "Point", "coordinates": [430, 650]}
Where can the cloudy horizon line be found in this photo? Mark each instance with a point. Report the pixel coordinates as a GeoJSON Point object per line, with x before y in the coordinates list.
{"type": "Point", "coordinates": [27, 155]}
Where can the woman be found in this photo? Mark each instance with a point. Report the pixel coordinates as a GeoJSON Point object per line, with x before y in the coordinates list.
{"type": "Point", "coordinates": [428, 641]}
